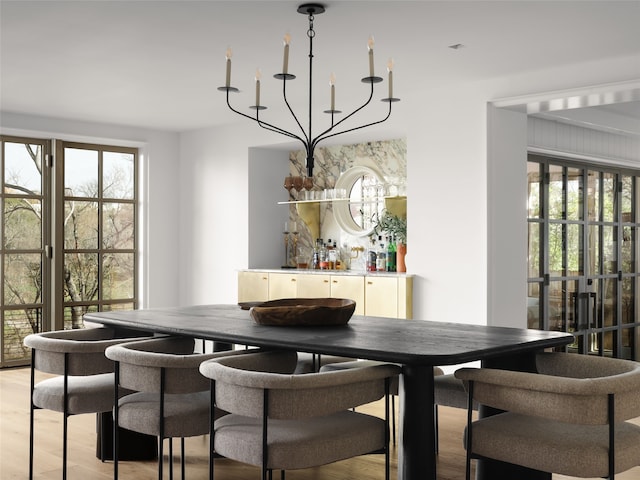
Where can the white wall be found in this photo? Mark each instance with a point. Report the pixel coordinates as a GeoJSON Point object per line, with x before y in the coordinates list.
{"type": "Point", "coordinates": [159, 197]}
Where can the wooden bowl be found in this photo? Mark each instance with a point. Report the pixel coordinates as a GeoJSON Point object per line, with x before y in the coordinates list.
{"type": "Point", "coordinates": [304, 311]}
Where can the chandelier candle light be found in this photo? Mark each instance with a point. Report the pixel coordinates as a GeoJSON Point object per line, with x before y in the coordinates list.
{"type": "Point", "coordinates": [306, 137]}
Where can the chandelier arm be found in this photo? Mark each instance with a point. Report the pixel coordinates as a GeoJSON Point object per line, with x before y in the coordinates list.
{"type": "Point", "coordinates": [286, 101]}
{"type": "Point", "coordinates": [319, 138]}
{"type": "Point", "coordinates": [265, 125]}
{"type": "Point", "coordinates": [323, 135]}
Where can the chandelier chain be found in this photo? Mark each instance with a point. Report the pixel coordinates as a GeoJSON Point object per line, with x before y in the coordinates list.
{"type": "Point", "coordinates": [311, 32]}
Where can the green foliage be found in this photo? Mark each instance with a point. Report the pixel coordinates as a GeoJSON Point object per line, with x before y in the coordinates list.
{"type": "Point", "coordinates": [390, 224]}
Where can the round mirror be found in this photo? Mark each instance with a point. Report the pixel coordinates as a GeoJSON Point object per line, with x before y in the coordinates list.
{"type": "Point", "coordinates": [363, 202]}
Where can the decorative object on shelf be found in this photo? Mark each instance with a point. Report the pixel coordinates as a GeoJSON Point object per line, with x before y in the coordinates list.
{"type": "Point", "coordinates": [304, 312]}
{"type": "Point", "coordinates": [396, 227]}
{"type": "Point", "coordinates": [306, 137]}
{"type": "Point", "coordinates": [290, 244]}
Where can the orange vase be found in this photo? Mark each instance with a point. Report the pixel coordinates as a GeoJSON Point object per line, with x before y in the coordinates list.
{"type": "Point", "coordinates": [401, 253]}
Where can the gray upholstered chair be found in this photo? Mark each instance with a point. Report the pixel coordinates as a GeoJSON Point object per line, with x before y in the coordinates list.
{"type": "Point", "coordinates": [170, 399]}
{"type": "Point", "coordinates": [312, 362]}
{"type": "Point", "coordinates": [569, 418]}
{"type": "Point", "coordinates": [281, 421]}
{"type": "Point", "coordinates": [84, 376]}
{"type": "Point", "coordinates": [448, 390]}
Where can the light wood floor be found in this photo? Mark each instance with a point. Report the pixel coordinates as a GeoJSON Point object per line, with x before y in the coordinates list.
{"type": "Point", "coordinates": [83, 464]}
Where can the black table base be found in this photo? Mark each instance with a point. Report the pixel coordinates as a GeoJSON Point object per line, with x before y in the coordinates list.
{"type": "Point", "coordinates": [132, 445]}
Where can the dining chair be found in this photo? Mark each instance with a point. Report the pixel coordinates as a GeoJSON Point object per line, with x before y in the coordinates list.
{"type": "Point", "coordinates": [169, 399]}
{"type": "Point", "coordinates": [286, 421]}
{"type": "Point", "coordinates": [312, 362]}
{"type": "Point", "coordinates": [569, 418]}
{"type": "Point", "coordinates": [448, 391]}
{"type": "Point", "coordinates": [83, 381]}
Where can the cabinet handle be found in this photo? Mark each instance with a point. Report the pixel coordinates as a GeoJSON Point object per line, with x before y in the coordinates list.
{"type": "Point", "coordinates": [265, 278]}
{"type": "Point", "coordinates": [335, 281]}
{"type": "Point", "coordinates": [326, 281]}
{"type": "Point", "coordinates": [293, 279]}
{"type": "Point", "coordinates": [369, 283]}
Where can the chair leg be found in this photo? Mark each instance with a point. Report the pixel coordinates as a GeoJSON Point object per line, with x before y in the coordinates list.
{"type": "Point", "coordinates": [31, 413]}
{"type": "Point", "coordinates": [393, 418]}
{"type": "Point", "coordinates": [212, 407]}
{"type": "Point", "coordinates": [160, 456]}
{"type": "Point", "coordinates": [170, 458]}
{"type": "Point", "coordinates": [182, 467]}
{"type": "Point", "coordinates": [66, 417]}
{"type": "Point", "coordinates": [64, 446]}
{"type": "Point", "coordinates": [469, 442]}
{"type": "Point", "coordinates": [436, 427]}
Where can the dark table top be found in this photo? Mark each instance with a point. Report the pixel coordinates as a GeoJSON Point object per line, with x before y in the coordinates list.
{"type": "Point", "coordinates": [411, 342]}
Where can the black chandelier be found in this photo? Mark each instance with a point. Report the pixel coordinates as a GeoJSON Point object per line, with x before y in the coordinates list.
{"type": "Point", "coordinates": [306, 137]}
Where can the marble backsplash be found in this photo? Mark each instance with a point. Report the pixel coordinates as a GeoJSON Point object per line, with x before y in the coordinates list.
{"type": "Point", "coordinates": [387, 157]}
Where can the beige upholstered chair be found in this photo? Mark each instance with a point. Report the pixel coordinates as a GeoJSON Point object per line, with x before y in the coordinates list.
{"type": "Point", "coordinates": [84, 376]}
{"type": "Point", "coordinates": [170, 399]}
{"type": "Point", "coordinates": [282, 421]}
{"type": "Point", "coordinates": [569, 418]}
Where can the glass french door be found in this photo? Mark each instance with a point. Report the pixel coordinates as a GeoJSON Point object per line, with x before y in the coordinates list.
{"type": "Point", "coordinates": [583, 254]}
{"type": "Point", "coordinates": [68, 229]}
{"type": "Point", "coordinates": [24, 236]}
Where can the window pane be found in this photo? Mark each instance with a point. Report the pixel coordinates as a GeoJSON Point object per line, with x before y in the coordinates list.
{"type": "Point", "coordinates": [81, 277]}
{"type": "Point", "coordinates": [609, 254]}
{"type": "Point", "coordinates": [534, 249]}
{"type": "Point", "coordinates": [556, 192]}
{"type": "Point", "coordinates": [118, 276]}
{"type": "Point", "coordinates": [117, 226]}
{"type": "Point", "coordinates": [22, 279]}
{"type": "Point", "coordinates": [80, 225]}
{"type": "Point", "coordinates": [594, 250]}
{"type": "Point", "coordinates": [117, 172]}
{"type": "Point", "coordinates": [22, 224]}
{"type": "Point", "coordinates": [117, 306]}
{"type": "Point", "coordinates": [628, 300]}
{"type": "Point", "coordinates": [22, 168]}
{"type": "Point", "coordinates": [17, 325]}
{"type": "Point", "coordinates": [574, 194]}
{"type": "Point", "coordinates": [533, 201]}
{"type": "Point", "coordinates": [593, 192]}
{"type": "Point", "coordinates": [556, 244]}
{"type": "Point", "coordinates": [574, 250]}
{"type": "Point", "coordinates": [627, 198]}
{"type": "Point", "coordinates": [628, 249]}
{"type": "Point", "coordinates": [80, 173]}
{"type": "Point", "coordinates": [534, 306]}
{"type": "Point", "coordinates": [628, 343]}
{"type": "Point", "coordinates": [74, 316]}
{"type": "Point", "coordinates": [610, 193]}
{"type": "Point", "coordinates": [607, 309]}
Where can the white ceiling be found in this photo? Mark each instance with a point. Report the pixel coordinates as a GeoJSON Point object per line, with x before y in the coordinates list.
{"type": "Point", "coordinates": [157, 64]}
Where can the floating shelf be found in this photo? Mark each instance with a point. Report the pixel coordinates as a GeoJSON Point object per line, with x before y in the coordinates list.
{"type": "Point", "coordinates": [329, 200]}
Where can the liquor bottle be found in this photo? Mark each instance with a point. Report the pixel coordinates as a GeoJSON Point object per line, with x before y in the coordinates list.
{"type": "Point", "coordinates": [315, 257]}
{"type": "Point", "coordinates": [331, 255]}
{"type": "Point", "coordinates": [338, 259]}
{"type": "Point", "coordinates": [324, 260]}
{"type": "Point", "coordinates": [391, 255]}
{"type": "Point", "coordinates": [381, 260]}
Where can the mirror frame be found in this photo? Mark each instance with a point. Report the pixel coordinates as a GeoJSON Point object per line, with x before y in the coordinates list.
{"type": "Point", "coordinates": [341, 208]}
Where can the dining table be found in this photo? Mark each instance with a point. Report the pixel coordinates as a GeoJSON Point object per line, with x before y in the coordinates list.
{"type": "Point", "coordinates": [416, 345]}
